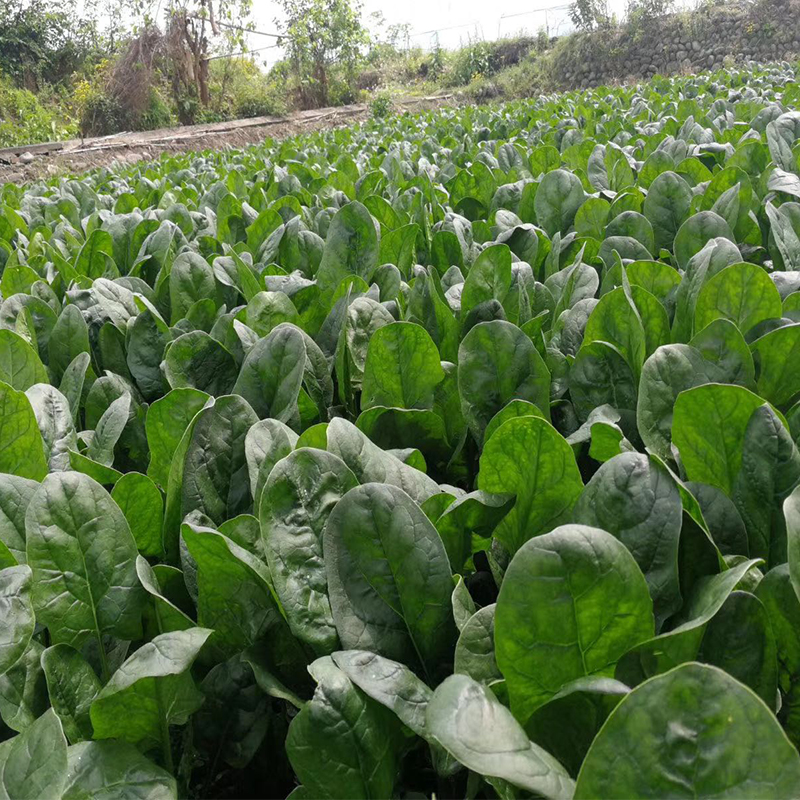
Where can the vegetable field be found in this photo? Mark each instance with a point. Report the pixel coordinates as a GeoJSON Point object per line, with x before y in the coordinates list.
{"type": "Point", "coordinates": [450, 455]}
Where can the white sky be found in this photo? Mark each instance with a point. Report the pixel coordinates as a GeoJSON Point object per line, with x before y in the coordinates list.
{"type": "Point", "coordinates": [456, 20]}
{"type": "Point", "coordinates": [425, 15]}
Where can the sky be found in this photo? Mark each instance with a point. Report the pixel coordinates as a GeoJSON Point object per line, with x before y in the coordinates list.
{"type": "Point", "coordinates": [455, 20]}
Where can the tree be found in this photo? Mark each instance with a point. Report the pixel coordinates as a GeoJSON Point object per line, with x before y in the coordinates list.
{"type": "Point", "coordinates": [191, 26]}
{"type": "Point", "coordinates": [586, 15]}
{"type": "Point", "coordinates": [319, 34]}
{"type": "Point", "coordinates": [645, 10]}
{"type": "Point", "coordinates": [42, 41]}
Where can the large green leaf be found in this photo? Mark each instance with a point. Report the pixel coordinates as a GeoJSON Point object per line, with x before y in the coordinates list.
{"type": "Point", "coordinates": [343, 744]}
{"type": "Point", "coordinates": [571, 604]}
{"type": "Point", "coordinates": [557, 200]}
{"type": "Point", "coordinates": [682, 642]}
{"type": "Point", "coordinates": [402, 368]}
{"type": "Point", "coordinates": [20, 365]}
{"type": "Point", "coordinates": [693, 732]}
{"type": "Point", "coordinates": [708, 428]}
{"type": "Point", "coordinates": [779, 365]}
{"type": "Point", "coordinates": [475, 650]}
{"type": "Point", "coordinates": [83, 555]}
{"type": "Point", "coordinates": [389, 578]}
{"type": "Point", "coordinates": [17, 613]}
{"type": "Point", "coordinates": [741, 293]}
{"type": "Point", "coordinates": [299, 495]}
{"type": "Point", "coordinates": [266, 443]}
{"type": "Point", "coordinates": [498, 363]}
{"type": "Point", "coordinates": [635, 499]}
{"type": "Point", "coordinates": [617, 321]}
{"type": "Point", "coordinates": [770, 469]}
{"type": "Point", "coordinates": [667, 206]}
{"type": "Point", "coordinates": [272, 374]}
{"type": "Point", "coordinates": [22, 453]}
{"type": "Point", "coordinates": [369, 463]}
{"type": "Point", "coordinates": [33, 765]}
{"type": "Point", "coordinates": [167, 420]}
{"type": "Point", "coordinates": [54, 417]}
{"type": "Point", "coordinates": [671, 370]}
{"type": "Point", "coordinates": [195, 360]}
{"type": "Point", "coordinates": [234, 593]}
{"type": "Point", "coordinates": [72, 686]}
{"type": "Point", "coordinates": [141, 502]}
{"type": "Point", "coordinates": [489, 278]}
{"type": "Point", "coordinates": [351, 247]}
{"type": "Point", "coordinates": [214, 470]}
{"type": "Point", "coordinates": [392, 684]}
{"type": "Point", "coordinates": [95, 768]}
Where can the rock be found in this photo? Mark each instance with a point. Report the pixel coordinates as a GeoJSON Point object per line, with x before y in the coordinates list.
{"type": "Point", "coordinates": [696, 46]}
{"type": "Point", "coordinates": [26, 158]}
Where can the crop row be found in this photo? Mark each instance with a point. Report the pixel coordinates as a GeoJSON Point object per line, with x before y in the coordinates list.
{"type": "Point", "coordinates": [452, 454]}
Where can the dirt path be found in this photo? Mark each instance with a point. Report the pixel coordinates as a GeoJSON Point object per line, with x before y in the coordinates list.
{"type": "Point", "coordinates": [76, 156]}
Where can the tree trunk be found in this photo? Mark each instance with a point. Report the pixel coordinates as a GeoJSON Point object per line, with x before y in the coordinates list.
{"type": "Point", "coordinates": [321, 75]}
{"type": "Point", "coordinates": [202, 80]}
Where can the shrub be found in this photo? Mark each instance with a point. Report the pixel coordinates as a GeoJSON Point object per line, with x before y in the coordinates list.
{"type": "Point", "coordinates": [102, 115]}
{"type": "Point", "coordinates": [488, 58]}
{"type": "Point", "coordinates": [24, 119]}
{"type": "Point", "coordinates": [381, 106]}
{"type": "Point", "coordinates": [239, 88]}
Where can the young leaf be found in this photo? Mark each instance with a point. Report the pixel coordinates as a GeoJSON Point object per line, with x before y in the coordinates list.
{"type": "Point", "coordinates": [152, 690]}
{"type": "Point", "coordinates": [529, 458]}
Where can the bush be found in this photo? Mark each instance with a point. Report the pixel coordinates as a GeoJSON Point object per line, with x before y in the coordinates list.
{"type": "Point", "coordinates": [484, 59]}
{"type": "Point", "coordinates": [102, 115]}
{"type": "Point", "coordinates": [239, 88]}
{"type": "Point", "coordinates": [381, 106]}
{"type": "Point", "coordinates": [128, 92]}
{"type": "Point", "coordinates": [44, 42]}
{"type": "Point", "coordinates": [157, 114]}
{"type": "Point", "coordinates": [102, 111]}
{"type": "Point", "coordinates": [470, 62]}
{"type": "Point", "coordinates": [25, 119]}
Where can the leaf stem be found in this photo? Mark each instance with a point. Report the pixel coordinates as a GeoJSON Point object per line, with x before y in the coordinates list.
{"type": "Point", "coordinates": [166, 746]}
{"type": "Point", "coordinates": [103, 660]}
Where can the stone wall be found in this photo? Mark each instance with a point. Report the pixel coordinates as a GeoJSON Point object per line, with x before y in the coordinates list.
{"type": "Point", "coordinates": [709, 38]}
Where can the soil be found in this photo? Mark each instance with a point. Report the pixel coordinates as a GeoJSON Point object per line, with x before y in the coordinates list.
{"type": "Point", "coordinates": [76, 156]}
